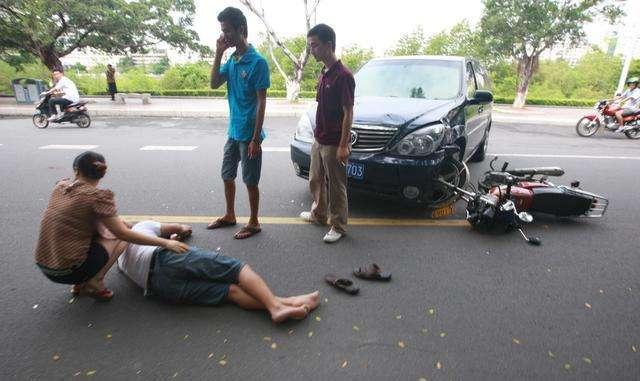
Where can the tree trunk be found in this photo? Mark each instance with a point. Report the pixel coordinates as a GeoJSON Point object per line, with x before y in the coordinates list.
{"type": "Point", "coordinates": [293, 89]}
{"type": "Point", "coordinates": [50, 59]}
{"type": "Point", "coordinates": [526, 68]}
{"type": "Point", "coordinates": [293, 85]}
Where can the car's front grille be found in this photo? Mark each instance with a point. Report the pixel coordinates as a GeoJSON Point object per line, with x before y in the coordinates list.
{"type": "Point", "coordinates": [371, 138]}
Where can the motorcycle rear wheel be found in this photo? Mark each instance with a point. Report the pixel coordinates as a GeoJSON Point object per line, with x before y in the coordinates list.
{"type": "Point", "coordinates": [587, 127]}
{"type": "Point", "coordinates": [40, 121]}
{"type": "Point", "coordinates": [82, 120]}
{"type": "Point", "coordinates": [633, 134]}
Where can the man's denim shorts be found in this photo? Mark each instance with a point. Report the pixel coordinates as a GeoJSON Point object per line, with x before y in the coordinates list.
{"type": "Point", "coordinates": [234, 152]}
{"type": "Point", "coordinates": [197, 276]}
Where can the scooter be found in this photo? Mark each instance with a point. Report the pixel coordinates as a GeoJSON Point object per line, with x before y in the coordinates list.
{"type": "Point", "coordinates": [74, 113]}
{"type": "Point", "coordinates": [606, 110]}
{"type": "Point", "coordinates": [506, 199]}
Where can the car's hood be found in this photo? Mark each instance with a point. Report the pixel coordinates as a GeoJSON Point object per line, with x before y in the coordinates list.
{"type": "Point", "coordinates": [399, 111]}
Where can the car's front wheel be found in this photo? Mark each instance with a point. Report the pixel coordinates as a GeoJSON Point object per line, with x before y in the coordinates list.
{"type": "Point", "coordinates": [452, 171]}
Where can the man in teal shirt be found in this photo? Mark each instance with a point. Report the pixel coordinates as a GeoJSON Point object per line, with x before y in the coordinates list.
{"type": "Point", "coordinates": [247, 76]}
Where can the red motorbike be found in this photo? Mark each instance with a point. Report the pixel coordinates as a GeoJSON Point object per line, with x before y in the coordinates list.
{"type": "Point", "coordinates": [588, 125]}
{"type": "Point", "coordinates": [506, 198]}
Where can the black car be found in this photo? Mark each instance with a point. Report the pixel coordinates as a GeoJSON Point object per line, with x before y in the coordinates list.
{"type": "Point", "coordinates": [410, 115]}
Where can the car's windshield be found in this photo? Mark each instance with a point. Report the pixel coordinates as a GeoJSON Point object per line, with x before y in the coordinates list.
{"type": "Point", "coordinates": [427, 79]}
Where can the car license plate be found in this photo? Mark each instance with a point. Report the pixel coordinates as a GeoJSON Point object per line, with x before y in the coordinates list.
{"type": "Point", "coordinates": [355, 171]}
{"type": "Point", "coordinates": [444, 211]}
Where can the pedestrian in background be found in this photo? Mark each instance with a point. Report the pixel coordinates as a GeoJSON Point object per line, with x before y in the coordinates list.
{"type": "Point", "coordinates": [111, 81]}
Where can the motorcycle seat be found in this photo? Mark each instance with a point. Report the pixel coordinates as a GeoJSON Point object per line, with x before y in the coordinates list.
{"type": "Point", "coordinates": [547, 171]}
{"type": "Point", "coordinates": [78, 103]}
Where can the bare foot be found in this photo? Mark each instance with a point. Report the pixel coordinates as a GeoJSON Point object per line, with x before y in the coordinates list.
{"type": "Point", "coordinates": [284, 312]}
{"type": "Point", "coordinates": [311, 300]}
{"type": "Point", "coordinates": [184, 233]}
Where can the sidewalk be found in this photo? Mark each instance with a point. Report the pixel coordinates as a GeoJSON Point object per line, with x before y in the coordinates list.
{"type": "Point", "coordinates": [218, 108]}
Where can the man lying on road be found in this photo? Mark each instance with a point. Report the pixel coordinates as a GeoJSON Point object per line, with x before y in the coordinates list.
{"type": "Point", "coordinates": [204, 277]}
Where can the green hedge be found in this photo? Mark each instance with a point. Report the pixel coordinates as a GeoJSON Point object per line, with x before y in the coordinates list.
{"type": "Point", "coordinates": [208, 93]}
{"type": "Point", "coordinates": [550, 102]}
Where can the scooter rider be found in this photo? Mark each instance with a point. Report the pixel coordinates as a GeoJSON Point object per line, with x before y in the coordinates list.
{"type": "Point", "coordinates": [630, 100]}
{"type": "Point", "coordinates": [64, 87]}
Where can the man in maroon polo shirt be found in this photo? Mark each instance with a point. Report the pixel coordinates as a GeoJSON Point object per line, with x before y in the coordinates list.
{"type": "Point", "coordinates": [331, 147]}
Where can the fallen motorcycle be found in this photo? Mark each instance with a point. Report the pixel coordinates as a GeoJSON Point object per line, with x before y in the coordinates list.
{"type": "Point", "coordinates": [605, 117]}
{"type": "Point", "coordinates": [506, 199]}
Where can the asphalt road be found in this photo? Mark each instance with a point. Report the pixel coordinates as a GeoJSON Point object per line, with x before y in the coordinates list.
{"type": "Point", "coordinates": [461, 306]}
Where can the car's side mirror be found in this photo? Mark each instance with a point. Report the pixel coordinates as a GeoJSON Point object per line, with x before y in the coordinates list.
{"type": "Point", "coordinates": [481, 96]}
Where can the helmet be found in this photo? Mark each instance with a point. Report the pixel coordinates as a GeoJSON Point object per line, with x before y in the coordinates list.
{"type": "Point", "coordinates": [633, 80]}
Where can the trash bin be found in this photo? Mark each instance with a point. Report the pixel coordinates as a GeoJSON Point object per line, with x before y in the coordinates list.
{"type": "Point", "coordinates": [27, 90]}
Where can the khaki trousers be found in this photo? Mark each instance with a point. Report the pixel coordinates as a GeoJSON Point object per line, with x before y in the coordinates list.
{"type": "Point", "coordinates": [328, 184]}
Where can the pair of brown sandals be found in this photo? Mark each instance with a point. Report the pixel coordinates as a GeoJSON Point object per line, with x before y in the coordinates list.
{"type": "Point", "coordinates": [246, 232]}
{"type": "Point", "coordinates": [369, 272]}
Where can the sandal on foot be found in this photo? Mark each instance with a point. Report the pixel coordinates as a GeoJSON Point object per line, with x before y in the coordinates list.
{"type": "Point", "coordinates": [103, 295]}
{"type": "Point", "coordinates": [220, 223]}
{"type": "Point", "coordinates": [247, 232]}
{"type": "Point", "coordinates": [77, 289]}
{"type": "Point", "coordinates": [342, 284]}
{"type": "Point", "coordinates": [373, 272]}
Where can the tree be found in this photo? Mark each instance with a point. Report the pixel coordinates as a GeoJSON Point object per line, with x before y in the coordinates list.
{"type": "Point", "coordinates": [354, 57]}
{"type": "Point", "coordinates": [293, 77]}
{"type": "Point", "coordinates": [410, 44]}
{"type": "Point", "coordinates": [51, 29]}
{"type": "Point", "coordinates": [125, 64]}
{"type": "Point", "coordinates": [161, 66]}
{"type": "Point", "coordinates": [296, 46]}
{"type": "Point", "coordinates": [523, 29]}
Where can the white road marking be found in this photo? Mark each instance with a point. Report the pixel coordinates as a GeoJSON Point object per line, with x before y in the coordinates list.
{"type": "Point", "coordinates": [68, 146]}
{"type": "Point", "coordinates": [595, 157]}
{"type": "Point", "coordinates": [168, 148]}
{"type": "Point", "coordinates": [275, 149]}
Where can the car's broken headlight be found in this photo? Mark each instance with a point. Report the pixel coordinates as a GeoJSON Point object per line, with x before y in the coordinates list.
{"type": "Point", "coordinates": [421, 142]}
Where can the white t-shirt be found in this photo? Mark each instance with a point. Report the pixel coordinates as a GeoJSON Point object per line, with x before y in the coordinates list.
{"type": "Point", "coordinates": [69, 88]}
{"type": "Point", "coordinates": [635, 98]}
{"type": "Point", "coordinates": [136, 259]}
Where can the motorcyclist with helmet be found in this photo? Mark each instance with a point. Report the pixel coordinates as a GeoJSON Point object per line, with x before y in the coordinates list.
{"type": "Point", "coordinates": [630, 100]}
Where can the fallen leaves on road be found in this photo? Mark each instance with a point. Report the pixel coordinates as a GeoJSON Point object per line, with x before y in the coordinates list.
{"type": "Point", "coordinates": [210, 356]}
{"type": "Point", "coordinates": [551, 354]}
{"type": "Point", "coordinates": [516, 341]}
{"type": "Point", "coordinates": [35, 306]}
{"type": "Point", "coordinates": [424, 331]}
{"type": "Point", "coordinates": [431, 311]}
{"type": "Point", "coordinates": [398, 317]}
{"type": "Point", "coordinates": [72, 300]}
{"type": "Point", "coordinates": [274, 346]}
{"type": "Point", "coordinates": [587, 360]}
{"type": "Point", "coordinates": [318, 318]}
{"type": "Point", "coordinates": [344, 364]}
{"type": "Point", "coordinates": [587, 305]}
{"type": "Point", "coordinates": [401, 344]}
{"type": "Point", "coordinates": [567, 367]}
{"type": "Point", "coordinates": [266, 338]}
{"type": "Point", "coordinates": [356, 328]}
{"type": "Point", "coordinates": [310, 334]}
{"type": "Point", "coordinates": [109, 336]}
{"type": "Point", "coordinates": [443, 334]}
{"type": "Point", "coordinates": [439, 365]}
{"type": "Point", "coordinates": [91, 373]}
{"type": "Point", "coordinates": [601, 291]}
{"type": "Point", "coordinates": [291, 332]}
{"type": "Point", "coordinates": [634, 348]}
{"type": "Point", "coordinates": [56, 357]}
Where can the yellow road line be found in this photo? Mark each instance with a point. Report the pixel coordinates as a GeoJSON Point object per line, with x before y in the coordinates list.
{"type": "Point", "coordinates": [298, 221]}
